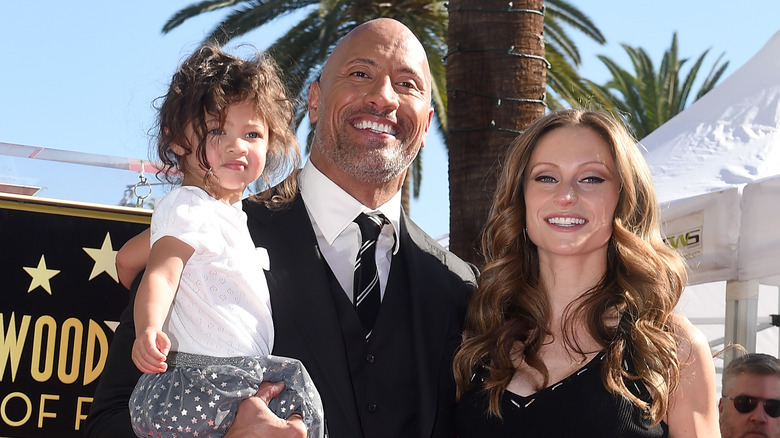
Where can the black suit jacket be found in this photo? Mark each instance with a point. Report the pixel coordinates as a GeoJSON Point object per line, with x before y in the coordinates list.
{"type": "Point", "coordinates": [307, 327]}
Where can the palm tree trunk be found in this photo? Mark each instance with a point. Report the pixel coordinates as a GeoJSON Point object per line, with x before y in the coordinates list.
{"type": "Point", "coordinates": [496, 83]}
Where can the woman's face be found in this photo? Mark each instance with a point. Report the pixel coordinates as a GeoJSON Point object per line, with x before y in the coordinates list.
{"type": "Point", "coordinates": [571, 191]}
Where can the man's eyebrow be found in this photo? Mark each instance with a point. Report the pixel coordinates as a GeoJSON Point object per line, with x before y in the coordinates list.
{"type": "Point", "coordinates": [417, 76]}
{"type": "Point", "coordinates": [368, 61]}
{"type": "Point", "coordinates": [372, 63]}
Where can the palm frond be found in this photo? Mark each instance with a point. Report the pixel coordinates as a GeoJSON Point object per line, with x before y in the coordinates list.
{"type": "Point", "coordinates": [649, 97]}
{"type": "Point", "coordinates": [194, 10]}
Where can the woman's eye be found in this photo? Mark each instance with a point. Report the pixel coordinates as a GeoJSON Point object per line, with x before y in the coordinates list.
{"type": "Point", "coordinates": [593, 179]}
{"type": "Point", "coordinates": [544, 179]}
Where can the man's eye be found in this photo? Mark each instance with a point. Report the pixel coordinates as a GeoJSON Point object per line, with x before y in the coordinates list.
{"type": "Point", "coordinates": [360, 74]}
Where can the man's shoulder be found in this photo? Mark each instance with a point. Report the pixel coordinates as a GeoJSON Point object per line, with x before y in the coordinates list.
{"type": "Point", "coordinates": [428, 244]}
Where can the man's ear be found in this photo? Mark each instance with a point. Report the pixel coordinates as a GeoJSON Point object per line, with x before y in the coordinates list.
{"type": "Point", "coordinates": [427, 127]}
{"type": "Point", "coordinates": [314, 102]}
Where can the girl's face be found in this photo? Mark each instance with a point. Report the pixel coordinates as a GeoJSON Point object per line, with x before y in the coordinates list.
{"type": "Point", "coordinates": [571, 191]}
{"type": "Point", "coordinates": [236, 153]}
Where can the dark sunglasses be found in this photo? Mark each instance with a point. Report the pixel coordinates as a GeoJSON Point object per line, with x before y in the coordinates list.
{"type": "Point", "coordinates": [745, 404]}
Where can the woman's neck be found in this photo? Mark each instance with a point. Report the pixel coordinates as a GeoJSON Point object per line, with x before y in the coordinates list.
{"type": "Point", "coordinates": [565, 279]}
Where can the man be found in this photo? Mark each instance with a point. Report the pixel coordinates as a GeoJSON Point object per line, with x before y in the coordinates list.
{"type": "Point", "coordinates": [372, 111]}
{"type": "Point", "coordinates": [750, 405]}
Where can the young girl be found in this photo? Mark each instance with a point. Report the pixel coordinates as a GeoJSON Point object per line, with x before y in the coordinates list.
{"type": "Point", "coordinates": [203, 322]}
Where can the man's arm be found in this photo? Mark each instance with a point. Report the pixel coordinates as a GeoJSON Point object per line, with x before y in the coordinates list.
{"type": "Point", "coordinates": [131, 258]}
{"type": "Point", "coordinates": [109, 416]}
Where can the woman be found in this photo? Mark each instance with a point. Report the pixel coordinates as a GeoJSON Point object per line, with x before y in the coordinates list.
{"type": "Point", "coordinates": [572, 330]}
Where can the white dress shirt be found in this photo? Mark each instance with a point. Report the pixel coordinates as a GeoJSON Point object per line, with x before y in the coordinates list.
{"type": "Point", "coordinates": [332, 212]}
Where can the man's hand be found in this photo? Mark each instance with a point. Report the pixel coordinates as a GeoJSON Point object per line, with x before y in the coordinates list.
{"type": "Point", "coordinates": [254, 419]}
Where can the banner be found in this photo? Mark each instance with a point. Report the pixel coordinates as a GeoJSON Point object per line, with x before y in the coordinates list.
{"type": "Point", "coordinates": [61, 301]}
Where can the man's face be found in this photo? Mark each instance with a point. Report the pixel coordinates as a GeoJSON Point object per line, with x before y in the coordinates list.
{"type": "Point", "coordinates": [372, 104]}
{"type": "Point", "coordinates": [734, 424]}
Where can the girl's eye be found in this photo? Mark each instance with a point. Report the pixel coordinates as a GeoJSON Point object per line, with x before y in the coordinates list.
{"type": "Point", "coordinates": [216, 131]}
{"type": "Point", "coordinates": [253, 135]}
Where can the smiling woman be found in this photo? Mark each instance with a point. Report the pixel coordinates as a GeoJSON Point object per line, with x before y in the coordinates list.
{"type": "Point", "coordinates": [575, 272]}
{"type": "Point", "coordinates": [571, 194]}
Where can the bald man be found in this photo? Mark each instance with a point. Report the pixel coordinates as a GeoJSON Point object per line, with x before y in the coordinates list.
{"type": "Point", "coordinates": [372, 111]}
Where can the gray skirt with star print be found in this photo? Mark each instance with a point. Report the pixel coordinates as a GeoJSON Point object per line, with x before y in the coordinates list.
{"type": "Point", "coordinates": [198, 396]}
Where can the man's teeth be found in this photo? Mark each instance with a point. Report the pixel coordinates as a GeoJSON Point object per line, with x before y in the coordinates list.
{"type": "Point", "coordinates": [566, 221]}
{"type": "Point", "coordinates": [376, 127]}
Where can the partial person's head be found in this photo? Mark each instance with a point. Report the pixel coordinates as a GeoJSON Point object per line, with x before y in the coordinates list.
{"type": "Point", "coordinates": [371, 105]}
{"type": "Point", "coordinates": [750, 405]}
{"type": "Point", "coordinates": [221, 107]}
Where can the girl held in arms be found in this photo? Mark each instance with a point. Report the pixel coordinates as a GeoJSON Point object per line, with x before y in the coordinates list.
{"type": "Point", "coordinates": [204, 331]}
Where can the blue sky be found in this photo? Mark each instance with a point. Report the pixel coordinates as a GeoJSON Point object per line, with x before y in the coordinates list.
{"type": "Point", "coordinates": [81, 76]}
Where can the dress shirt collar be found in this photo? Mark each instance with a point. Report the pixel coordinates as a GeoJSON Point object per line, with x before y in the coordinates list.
{"type": "Point", "coordinates": [334, 209]}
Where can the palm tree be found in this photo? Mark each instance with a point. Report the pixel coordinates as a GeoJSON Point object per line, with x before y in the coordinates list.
{"type": "Point", "coordinates": [493, 96]}
{"type": "Point", "coordinates": [648, 98]}
{"type": "Point", "coordinates": [564, 84]}
{"type": "Point", "coordinates": [301, 52]}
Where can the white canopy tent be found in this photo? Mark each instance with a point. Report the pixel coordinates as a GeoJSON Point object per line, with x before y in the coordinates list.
{"type": "Point", "coordinates": [716, 168]}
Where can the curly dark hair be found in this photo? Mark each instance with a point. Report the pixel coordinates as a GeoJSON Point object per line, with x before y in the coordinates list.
{"type": "Point", "coordinates": [206, 83]}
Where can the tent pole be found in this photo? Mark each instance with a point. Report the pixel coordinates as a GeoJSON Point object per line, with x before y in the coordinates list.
{"type": "Point", "coordinates": [741, 315]}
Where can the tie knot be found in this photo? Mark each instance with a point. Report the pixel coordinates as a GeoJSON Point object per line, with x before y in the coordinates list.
{"type": "Point", "coordinates": [370, 225]}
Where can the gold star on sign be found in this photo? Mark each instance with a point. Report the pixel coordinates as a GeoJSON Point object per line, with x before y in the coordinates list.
{"type": "Point", "coordinates": [105, 259]}
{"type": "Point", "coordinates": [41, 276]}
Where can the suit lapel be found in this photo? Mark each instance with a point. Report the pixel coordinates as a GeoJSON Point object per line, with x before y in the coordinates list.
{"type": "Point", "coordinates": [426, 279]}
{"type": "Point", "coordinates": [301, 300]}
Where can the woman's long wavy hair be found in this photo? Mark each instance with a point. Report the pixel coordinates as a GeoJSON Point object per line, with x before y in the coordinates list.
{"type": "Point", "coordinates": [509, 316]}
{"type": "Point", "coordinates": [207, 83]}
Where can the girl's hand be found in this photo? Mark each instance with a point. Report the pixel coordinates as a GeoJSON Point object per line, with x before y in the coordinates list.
{"type": "Point", "coordinates": [150, 350]}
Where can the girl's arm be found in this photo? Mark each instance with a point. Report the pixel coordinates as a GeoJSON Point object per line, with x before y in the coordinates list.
{"type": "Point", "coordinates": [131, 258]}
{"type": "Point", "coordinates": [693, 406]}
{"type": "Point", "coordinates": [155, 295]}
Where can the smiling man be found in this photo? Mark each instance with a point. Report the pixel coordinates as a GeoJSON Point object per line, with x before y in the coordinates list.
{"type": "Point", "coordinates": [381, 372]}
{"type": "Point", "coordinates": [372, 109]}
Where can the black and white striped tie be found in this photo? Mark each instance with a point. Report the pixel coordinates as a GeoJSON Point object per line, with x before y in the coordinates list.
{"type": "Point", "coordinates": [365, 290]}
